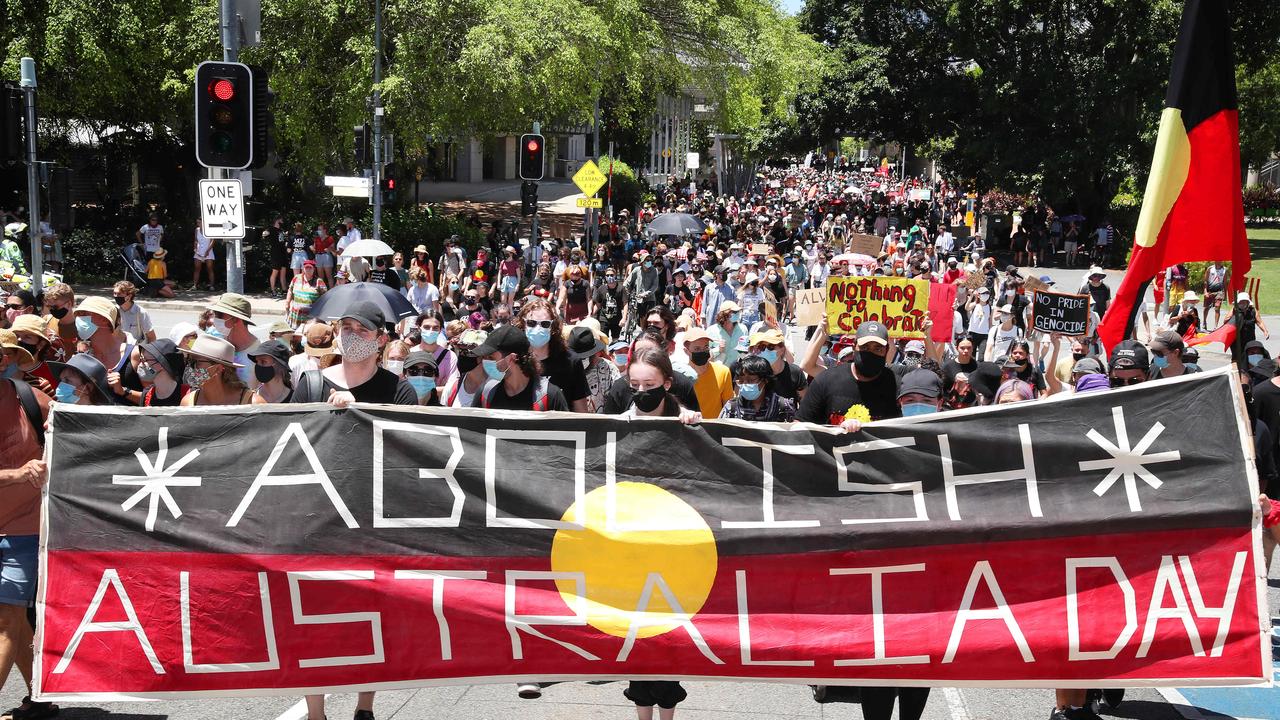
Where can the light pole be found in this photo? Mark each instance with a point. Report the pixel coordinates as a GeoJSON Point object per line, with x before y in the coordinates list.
{"type": "Point", "coordinates": [28, 83]}
{"type": "Point", "coordinates": [377, 120]}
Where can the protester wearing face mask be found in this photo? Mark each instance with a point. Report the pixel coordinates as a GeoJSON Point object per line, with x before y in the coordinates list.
{"type": "Point", "coordinates": [60, 303]}
{"type": "Point", "coordinates": [714, 383]}
{"type": "Point", "coordinates": [608, 304]}
{"type": "Point", "coordinates": [920, 393]}
{"type": "Point", "coordinates": [650, 375]}
{"type": "Point", "coordinates": [271, 369]}
{"type": "Point", "coordinates": [96, 322]}
{"type": "Point", "coordinates": [755, 399]}
{"type": "Point", "coordinates": [19, 303]}
{"type": "Point", "coordinates": [161, 370]}
{"type": "Point", "coordinates": [541, 325]}
{"type": "Point", "coordinates": [864, 386]}
{"type": "Point", "coordinates": [461, 388]}
{"type": "Point", "coordinates": [421, 371]}
{"type": "Point", "coordinates": [232, 316]}
{"type": "Point", "coordinates": [362, 333]}
{"type": "Point", "coordinates": [14, 358]}
{"type": "Point", "coordinates": [1166, 356]}
{"type": "Point", "coordinates": [134, 320]}
{"type": "Point", "coordinates": [789, 380]}
{"type": "Point", "coordinates": [587, 346]}
{"type": "Point", "coordinates": [728, 332]}
{"type": "Point", "coordinates": [514, 382]}
{"type": "Point", "coordinates": [82, 380]}
{"type": "Point", "coordinates": [28, 331]}
{"type": "Point", "coordinates": [211, 375]}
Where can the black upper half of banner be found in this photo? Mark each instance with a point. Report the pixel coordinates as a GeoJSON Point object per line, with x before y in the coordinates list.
{"type": "Point", "coordinates": [1161, 456]}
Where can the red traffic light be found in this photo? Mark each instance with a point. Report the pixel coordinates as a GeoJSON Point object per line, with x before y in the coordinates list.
{"type": "Point", "coordinates": [391, 183]}
{"type": "Point", "coordinates": [222, 89]}
{"type": "Point", "coordinates": [532, 146]}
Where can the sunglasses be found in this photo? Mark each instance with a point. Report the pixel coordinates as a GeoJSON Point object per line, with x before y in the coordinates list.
{"type": "Point", "coordinates": [419, 371]}
{"type": "Point", "coordinates": [1125, 382]}
{"type": "Point", "coordinates": [539, 323]}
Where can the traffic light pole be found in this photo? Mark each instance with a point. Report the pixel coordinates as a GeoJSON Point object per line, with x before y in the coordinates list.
{"type": "Point", "coordinates": [231, 53]}
{"type": "Point", "coordinates": [377, 120]}
{"type": "Point", "coordinates": [33, 175]}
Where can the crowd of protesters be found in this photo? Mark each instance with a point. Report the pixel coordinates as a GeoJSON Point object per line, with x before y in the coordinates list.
{"type": "Point", "coordinates": [683, 326]}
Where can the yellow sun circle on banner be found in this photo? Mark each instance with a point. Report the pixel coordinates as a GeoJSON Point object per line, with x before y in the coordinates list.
{"type": "Point", "coordinates": [652, 531]}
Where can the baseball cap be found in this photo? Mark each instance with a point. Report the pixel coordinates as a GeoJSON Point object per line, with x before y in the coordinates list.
{"type": "Point", "coordinates": [366, 313]}
{"type": "Point", "coordinates": [421, 357]}
{"type": "Point", "coordinates": [771, 336]}
{"type": "Point", "coordinates": [921, 382]}
{"type": "Point", "coordinates": [872, 332]}
{"type": "Point", "coordinates": [1130, 355]}
{"type": "Point", "coordinates": [695, 334]}
{"type": "Point", "coordinates": [1086, 366]}
{"type": "Point", "coordinates": [915, 346]}
{"type": "Point", "coordinates": [1167, 340]}
{"type": "Point", "coordinates": [507, 339]}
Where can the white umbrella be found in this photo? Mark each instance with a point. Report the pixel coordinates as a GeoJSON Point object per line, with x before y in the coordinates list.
{"type": "Point", "coordinates": [367, 247]}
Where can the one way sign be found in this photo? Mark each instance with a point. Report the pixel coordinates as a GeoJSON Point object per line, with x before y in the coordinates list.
{"type": "Point", "coordinates": [222, 208]}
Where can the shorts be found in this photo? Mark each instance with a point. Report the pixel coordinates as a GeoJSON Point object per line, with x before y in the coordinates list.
{"type": "Point", "coordinates": [1212, 300]}
{"type": "Point", "coordinates": [299, 257]}
{"type": "Point", "coordinates": [207, 255]}
{"type": "Point", "coordinates": [666, 694]}
{"type": "Point", "coordinates": [510, 283]}
{"type": "Point", "coordinates": [18, 563]}
{"type": "Point", "coordinates": [1070, 246]}
{"type": "Point", "coordinates": [324, 260]}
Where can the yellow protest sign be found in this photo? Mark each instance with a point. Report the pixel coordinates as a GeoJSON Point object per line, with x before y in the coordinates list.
{"type": "Point", "coordinates": [901, 305]}
{"type": "Point", "coordinates": [589, 179]}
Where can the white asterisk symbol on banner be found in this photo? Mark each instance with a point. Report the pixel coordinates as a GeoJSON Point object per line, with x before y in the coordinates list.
{"type": "Point", "coordinates": [1126, 462]}
{"type": "Point", "coordinates": [156, 481]}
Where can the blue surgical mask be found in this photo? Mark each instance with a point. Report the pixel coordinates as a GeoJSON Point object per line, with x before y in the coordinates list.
{"type": "Point", "coordinates": [749, 391]}
{"type": "Point", "coordinates": [65, 393]}
{"type": "Point", "coordinates": [770, 356]}
{"type": "Point", "coordinates": [736, 317]}
{"type": "Point", "coordinates": [538, 336]}
{"type": "Point", "coordinates": [453, 287]}
{"type": "Point", "coordinates": [648, 264]}
{"type": "Point", "coordinates": [85, 327]}
{"type": "Point", "coordinates": [429, 337]}
{"type": "Point", "coordinates": [1160, 362]}
{"type": "Point", "coordinates": [491, 369]}
{"type": "Point", "coordinates": [1253, 359]}
{"type": "Point", "coordinates": [911, 409]}
{"type": "Point", "coordinates": [620, 359]}
{"type": "Point", "coordinates": [422, 385]}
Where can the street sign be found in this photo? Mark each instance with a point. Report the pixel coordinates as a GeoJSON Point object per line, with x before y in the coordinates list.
{"type": "Point", "coordinates": [666, 153]}
{"type": "Point", "coordinates": [589, 179]}
{"type": "Point", "coordinates": [692, 161]}
{"type": "Point", "coordinates": [344, 186]}
{"type": "Point", "coordinates": [591, 202]}
{"type": "Point", "coordinates": [222, 208]}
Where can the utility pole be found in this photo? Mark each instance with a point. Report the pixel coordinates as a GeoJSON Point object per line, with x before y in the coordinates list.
{"type": "Point", "coordinates": [593, 230]}
{"type": "Point", "coordinates": [33, 175]}
{"type": "Point", "coordinates": [377, 120]}
{"type": "Point", "coordinates": [533, 228]}
{"type": "Point", "coordinates": [231, 53]}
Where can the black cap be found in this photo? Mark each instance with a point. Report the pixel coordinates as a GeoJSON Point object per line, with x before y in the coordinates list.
{"type": "Point", "coordinates": [421, 357]}
{"type": "Point", "coordinates": [921, 382]}
{"type": "Point", "coordinates": [275, 349]}
{"type": "Point", "coordinates": [507, 339]}
{"type": "Point", "coordinates": [874, 331]}
{"type": "Point", "coordinates": [1130, 355]}
{"type": "Point", "coordinates": [166, 353]}
{"type": "Point", "coordinates": [367, 313]}
{"type": "Point", "coordinates": [583, 343]}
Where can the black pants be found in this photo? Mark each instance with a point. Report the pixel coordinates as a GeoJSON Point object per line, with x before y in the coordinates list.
{"type": "Point", "coordinates": [877, 702]}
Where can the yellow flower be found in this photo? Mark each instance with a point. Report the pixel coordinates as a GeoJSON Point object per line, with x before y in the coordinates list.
{"type": "Point", "coordinates": [858, 412]}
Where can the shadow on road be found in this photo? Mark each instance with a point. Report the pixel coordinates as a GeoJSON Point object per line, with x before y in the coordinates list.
{"type": "Point", "coordinates": [1148, 710]}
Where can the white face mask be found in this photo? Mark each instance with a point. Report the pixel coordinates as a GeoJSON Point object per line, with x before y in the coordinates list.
{"type": "Point", "coordinates": [220, 325]}
{"type": "Point", "coordinates": [395, 366]}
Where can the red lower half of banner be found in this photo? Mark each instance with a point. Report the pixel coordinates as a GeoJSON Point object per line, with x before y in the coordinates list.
{"type": "Point", "coordinates": [1151, 608]}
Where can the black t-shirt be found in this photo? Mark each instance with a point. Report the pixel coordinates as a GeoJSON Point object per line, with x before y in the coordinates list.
{"type": "Point", "coordinates": [523, 400]}
{"type": "Point", "coordinates": [384, 387]}
{"type": "Point", "coordinates": [618, 397]}
{"type": "Point", "coordinates": [1266, 404]}
{"type": "Point", "coordinates": [386, 276]}
{"type": "Point", "coordinates": [604, 296]}
{"type": "Point", "coordinates": [833, 392]}
{"type": "Point", "coordinates": [789, 381]}
{"type": "Point", "coordinates": [298, 242]}
{"type": "Point", "coordinates": [569, 376]}
{"type": "Point", "coordinates": [952, 367]}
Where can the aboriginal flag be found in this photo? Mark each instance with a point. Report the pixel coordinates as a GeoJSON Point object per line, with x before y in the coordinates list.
{"type": "Point", "coordinates": [1192, 210]}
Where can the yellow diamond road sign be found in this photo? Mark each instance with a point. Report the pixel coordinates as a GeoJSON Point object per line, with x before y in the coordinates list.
{"type": "Point", "coordinates": [589, 179]}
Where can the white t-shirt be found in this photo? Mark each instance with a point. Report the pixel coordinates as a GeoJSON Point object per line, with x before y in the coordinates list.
{"type": "Point", "coordinates": [423, 297]}
{"type": "Point", "coordinates": [136, 322]}
{"type": "Point", "coordinates": [204, 246]}
{"type": "Point", "coordinates": [151, 237]}
{"type": "Point", "coordinates": [299, 364]}
{"type": "Point", "coordinates": [1000, 341]}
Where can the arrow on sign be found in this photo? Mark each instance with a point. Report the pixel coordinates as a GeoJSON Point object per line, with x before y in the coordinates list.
{"type": "Point", "coordinates": [229, 225]}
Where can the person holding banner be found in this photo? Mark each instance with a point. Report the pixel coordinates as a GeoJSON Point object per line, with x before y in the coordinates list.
{"type": "Point", "coordinates": [513, 373]}
{"type": "Point", "coordinates": [789, 381]}
{"type": "Point", "coordinates": [650, 376]}
{"type": "Point", "coordinates": [866, 391]}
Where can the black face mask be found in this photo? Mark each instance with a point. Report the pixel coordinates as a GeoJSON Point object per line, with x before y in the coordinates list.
{"type": "Point", "coordinates": [1078, 356]}
{"type": "Point", "coordinates": [58, 313]}
{"type": "Point", "coordinates": [700, 358]}
{"type": "Point", "coordinates": [264, 373]}
{"type": "Point", "coordinates": [649, 400]}
{"type": "Point", "coordinates": [31, 349]}
{"type": "Point", "coordinates": [467, 363]}
{"type": "Point", "coordinates": [868, 363]}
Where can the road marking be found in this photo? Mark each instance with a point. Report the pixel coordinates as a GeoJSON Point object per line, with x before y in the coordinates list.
{"type": "Point", "coordinates": [956, 703]}
{"type": "Point", "coordinates": [1185, 708]}
{"type": "Point", "coordinates": [297, 711]}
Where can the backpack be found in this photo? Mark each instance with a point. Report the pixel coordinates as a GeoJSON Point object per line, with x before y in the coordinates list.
{"type": "Point", "coordinates": [30, 408]}
{"type": "Point", "coordinates": [540, 401]}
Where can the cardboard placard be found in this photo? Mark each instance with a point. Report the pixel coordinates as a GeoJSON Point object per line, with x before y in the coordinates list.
{"type": "Point", "coordinates": [975, 280]}
{"type": "Point", "coordinates": [900, 304]}
{"type": "Point", "coordinates": [942, 305]}
{"type": "Point", "coordinates": [865, 244]}
{"type": "Point", "coordinates": [1061, 313]}
{"type": "Point", "coordinates": [810, 304]}
{"type": "Point", "coordinates": [758, 249]}
{"type": "Point", "coordinates": [1035, 284]}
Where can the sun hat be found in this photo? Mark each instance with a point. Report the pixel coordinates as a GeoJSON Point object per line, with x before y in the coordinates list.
{"type": "Point", "coordinates": [213, 349]}
{"type": "Point", "coordinates": [101, 307]}
{"type": "Point", "coordinates": [235, 305]}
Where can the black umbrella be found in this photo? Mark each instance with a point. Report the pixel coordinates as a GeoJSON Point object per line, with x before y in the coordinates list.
{"type": "Point", "coordinates": [675, 224]}
{"type": "Point", "coordinates": [333, 304]}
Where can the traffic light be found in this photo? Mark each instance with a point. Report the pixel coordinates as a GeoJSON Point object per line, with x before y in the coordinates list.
{"type": "Point", "coordinates": [532, 148]}
{"type": "Point", "coordinates": [224, 115]}
{"type": "Point", "coordinates": [11, 125]}
{"type": "Point", "coordinates": [362, 145]}
{"type": "Point", "coordinates": [389, 182]}
{"type": "Point", "coordinates": [528, 198]}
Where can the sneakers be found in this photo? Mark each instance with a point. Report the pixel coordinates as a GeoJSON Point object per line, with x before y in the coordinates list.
{"type": "Point", "coordinates": [529, 691]}
{"type": "Point", "coordinates": [30, 710]}
{"type": "Point", "coordinates": [1073, 714]}
{"type": "Point", "coordinates": [364, 715]}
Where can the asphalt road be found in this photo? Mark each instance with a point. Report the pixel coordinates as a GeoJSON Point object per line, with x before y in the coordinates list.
{"type": "Point", "coordinates": [707, 700]}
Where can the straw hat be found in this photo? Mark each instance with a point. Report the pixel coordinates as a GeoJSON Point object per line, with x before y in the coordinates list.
{"type": "Point", "coordinates": [9, 341]}
{"type": "Point", "coordinates": [213, 349]}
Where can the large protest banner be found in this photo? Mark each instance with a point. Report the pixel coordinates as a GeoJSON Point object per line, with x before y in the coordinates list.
{"type": "Point", "coordinates": [901, 304]}
{"type": "Point", "coordinates": [281, 549]}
